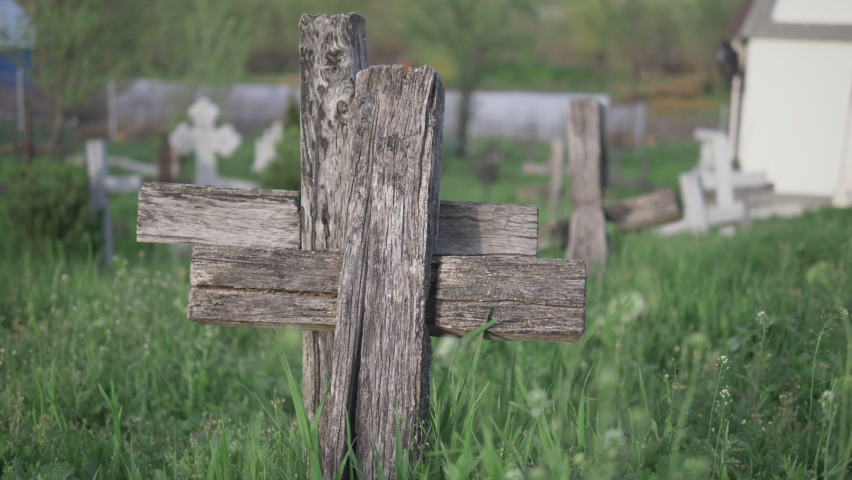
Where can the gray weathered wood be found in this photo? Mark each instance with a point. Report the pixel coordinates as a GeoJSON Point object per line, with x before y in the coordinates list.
{"type": "Point", "coordinates": [470, 228]}
{"type": "Point", "coordinates": [534, 299]}
{"type": "Point", "coordinates": [332, 50]}
{"type": "Point", "coordinates": [587, 234]}
{"type": "Point", "coordinates": [644, 211]}
{"type": "Point", "coordinates": [96, 164]}
{"type": "Point", "coordinates": [173, 213]}
{"type": "Point", "coordinates": [382, 354]}
{"type": "Point", "coordinates": [255, 218]}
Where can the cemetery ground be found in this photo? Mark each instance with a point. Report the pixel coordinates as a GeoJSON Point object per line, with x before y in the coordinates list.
{"type": "Point", "coordinates": [704, 357]}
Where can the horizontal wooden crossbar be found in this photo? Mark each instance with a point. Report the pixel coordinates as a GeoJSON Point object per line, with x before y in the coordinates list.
{"type": "Point", "coordinates": [187, 214]}
{"type": "Point", "coordinates": [533, 299]}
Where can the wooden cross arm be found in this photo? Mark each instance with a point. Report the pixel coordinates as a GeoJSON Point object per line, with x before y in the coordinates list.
{"type": "Point", "coordinates": [534, 299]}
{"type": "Point", "coordinates": [170, 213]}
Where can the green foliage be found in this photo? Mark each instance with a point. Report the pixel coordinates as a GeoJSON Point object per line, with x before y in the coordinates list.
{"type": "Point", "coordinates": [205, 42]}
{"type": "Point", "coordinates": [46, 205]}
{"type": "Point", "coordinates": [285, 172]}
{"type": "Point", "coordinates": [704, 357]}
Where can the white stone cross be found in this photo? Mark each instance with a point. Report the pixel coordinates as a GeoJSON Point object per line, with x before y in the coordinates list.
{"type": "Point", "coordinates": [205, 139]}
{"type": "Point", "coordinates": [718, 176]}
{"type": "Point", "coordinates": [264, 146]}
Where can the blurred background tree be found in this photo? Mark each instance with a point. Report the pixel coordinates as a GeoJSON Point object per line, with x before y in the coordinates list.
{"type": "Point", "coordinates": [629, 48]}
{"type": "Point", "coordinates": [78, 45]}
{"type": "Point", "coordinates": [478, 36]}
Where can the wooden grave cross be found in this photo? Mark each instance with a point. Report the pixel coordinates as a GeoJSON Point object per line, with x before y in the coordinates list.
{"type": "Point", "coordinates": [101, 184]}
{"type": "Point", "coordinates": [205, 139]}
{"type": "Point", "coordinates": [366, 250]}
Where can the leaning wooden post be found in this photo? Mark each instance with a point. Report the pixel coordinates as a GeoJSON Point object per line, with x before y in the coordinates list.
{"type": "Point", "coordinates": [382, 355]}
{"type": "Point", "coordinates": [587, 234]}
{"type": "Point", "coordinates": [332, 51]}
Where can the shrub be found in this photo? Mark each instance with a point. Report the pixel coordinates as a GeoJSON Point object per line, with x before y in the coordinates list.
{"type": "Point", "coordinates": [46, 205]}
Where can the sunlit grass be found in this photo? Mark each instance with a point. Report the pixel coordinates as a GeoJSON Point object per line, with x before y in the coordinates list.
{"type": "Point", "coordinates": [704, 357]}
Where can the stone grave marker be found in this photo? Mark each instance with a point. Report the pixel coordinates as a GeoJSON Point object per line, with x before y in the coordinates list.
{"type": "Point", "coordinates": [205, 139]}
{"type": "Point", "coordinates": [587, 230]}
{"type": "Point", "coordinates": [722, 182]}
{"type": "Point", "coordinates": [101, 184]}
{"type": "Point", "coordinates": [382, 262]}
{"type": "Point", "coordinates": [264, 146]}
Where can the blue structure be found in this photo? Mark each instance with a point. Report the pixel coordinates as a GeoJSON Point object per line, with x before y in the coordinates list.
{"type": "Point", "coordinates": [15, 42]}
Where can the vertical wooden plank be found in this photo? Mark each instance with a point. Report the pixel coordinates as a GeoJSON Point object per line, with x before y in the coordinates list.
{"type": "Point", "coordinates": [557, 176]}
{"type": "Point", "coordinates": [96, 164]}
{"type": "Point", "coordinates": [333, 49]}
{"type": "Point", "coordinates": [587, 235]}
{"type": "Point", "coordinates": [382, 357]}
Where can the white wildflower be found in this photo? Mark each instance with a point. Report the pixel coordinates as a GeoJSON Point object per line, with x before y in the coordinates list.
{"type": "Point", "coordinates": [613, 441]}
{"type": "Point", "coordinates": [538, 402]}
{"type": "Point", "coordinates": [514, 474]}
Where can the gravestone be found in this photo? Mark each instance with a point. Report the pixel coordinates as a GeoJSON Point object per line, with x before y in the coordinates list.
{"type": "Point", "coordinates": [205, 140]}
{"type": "Point", "coordinates": [101, 184]}
{"type": "Point", "coordinates": [587, 230]}
{"type": "Point", "coordinates": [265, 145]}
{"type": "Point", "coordinates": [721, 181]}
{"type": "Point", "coordinates": [382, 262]}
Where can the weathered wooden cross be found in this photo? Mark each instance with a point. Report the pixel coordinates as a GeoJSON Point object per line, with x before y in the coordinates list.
{"type": "Point", "coordinates": [366, 250]}
{"type": "Point", "coordinates": [205, 139]}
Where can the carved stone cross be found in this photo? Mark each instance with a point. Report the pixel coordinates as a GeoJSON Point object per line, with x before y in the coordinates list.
{"type": "Point", "coordinates": [366, 250]}
{"type": "Point", "coordinates": [205, 139]}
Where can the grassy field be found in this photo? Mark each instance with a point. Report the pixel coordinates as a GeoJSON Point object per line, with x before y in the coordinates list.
{"type": "Point", "coordinates": [704, 357]}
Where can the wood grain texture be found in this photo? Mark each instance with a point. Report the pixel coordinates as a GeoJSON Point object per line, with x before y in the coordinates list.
{"type": "Point", "coordinates": [192, 215]}
{"type": "Point", "coordinates": [644, 211]}
{"type": "Point", "coordinates": [470, 228]}
{"type": "Point", "coordinates": [332, 50]}
{"type": "Point", "coordinates": [382, 353]}
{"type": "Point", "coordinates": [173, 213]}
{"type": "Point", "coordinates": [587, 234]}
{"type": "Point", "coordinates": [534, 299]}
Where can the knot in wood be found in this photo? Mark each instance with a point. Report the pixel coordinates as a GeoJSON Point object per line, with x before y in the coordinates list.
{"type": "Point", "coordinates": [342, 107]}
{"type": "Point", "coordinates": [335, 56]}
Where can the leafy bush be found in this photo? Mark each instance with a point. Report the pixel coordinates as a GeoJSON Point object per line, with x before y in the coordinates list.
{"type": "Point", "coordinates": [46, 205]}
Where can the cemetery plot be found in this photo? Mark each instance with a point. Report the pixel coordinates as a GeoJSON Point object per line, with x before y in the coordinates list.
{"type": "Point", "coordinates": [369, 226]}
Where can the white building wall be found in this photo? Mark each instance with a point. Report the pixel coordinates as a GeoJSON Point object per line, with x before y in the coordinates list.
{"type": "Point", "coordinates": [795, 113]}
{"type": "Point", "coordinates": [821, 12]}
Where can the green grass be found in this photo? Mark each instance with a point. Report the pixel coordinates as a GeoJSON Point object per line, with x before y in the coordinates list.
{"type": "Point", "coordinates": [679, 375]}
